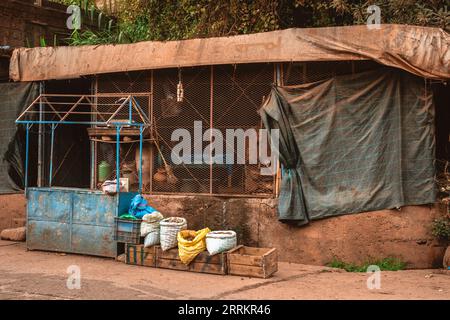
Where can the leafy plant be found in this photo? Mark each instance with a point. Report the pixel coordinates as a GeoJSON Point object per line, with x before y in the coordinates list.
{"type": "Point", "coordinates": [140, 20]}
{"type": "Point", "coordinates": [441, 228]}
{"type": "Point", "coordinates": [385, 264]}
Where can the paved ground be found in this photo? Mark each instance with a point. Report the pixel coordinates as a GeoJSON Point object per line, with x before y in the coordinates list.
{"type": "Point", "coordinates": [42, 275]}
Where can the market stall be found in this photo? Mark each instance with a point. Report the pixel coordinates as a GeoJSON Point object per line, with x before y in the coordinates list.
{"type": "Point", "coordinates": [82, 220]}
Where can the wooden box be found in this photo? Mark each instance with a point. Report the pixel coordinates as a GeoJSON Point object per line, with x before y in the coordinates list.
{"type": "Point", "coordinates": [203, 262]}
{"type": "Point", "coordinates": [138, 255]}
{"type": "Point", "coordinates": [252, 262]}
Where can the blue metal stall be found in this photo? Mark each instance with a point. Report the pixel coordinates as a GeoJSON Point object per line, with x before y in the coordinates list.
{"type": "Point", "coordinates": [74, 220]}
{"type": "Point", "coordinates": [77, 220]}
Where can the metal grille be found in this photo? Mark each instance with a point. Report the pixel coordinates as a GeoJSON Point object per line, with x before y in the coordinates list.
{"type": "Point", "coordinates": [137, 84]}
{"type": "Point", "coordinates": [170, 115]}
{"type": "Point", "coordinates": [295, 73]}
{"type": "Point", "coordinates": [239, 91]}
{"type": "Point", "coordinates": [220, 97]}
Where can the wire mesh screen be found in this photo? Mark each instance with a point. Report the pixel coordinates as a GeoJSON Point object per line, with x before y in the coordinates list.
{"type": "Point", "coordinates": [220, 97]}
{"type": "Point", "coordinates": [192, 176]}
{"type": "Point", "coordinates": [138, 86]}
{"type": "Point", "coordinates": [306, 72]}
{"type": "Point", "coordinates": [239, 91]}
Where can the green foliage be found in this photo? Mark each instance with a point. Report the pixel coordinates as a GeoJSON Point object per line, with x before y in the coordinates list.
{"type": "Point", "coordinates": [348, 12]}
{"type": "Point", "coordinates": [441, 228]}
{"type": "Point", "coordinates": [140, 20]}
{"type": "Point", "coordinates": [386, 264]}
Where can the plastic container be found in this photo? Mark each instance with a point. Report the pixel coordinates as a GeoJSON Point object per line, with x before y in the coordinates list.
{"type": "Point", "coordinates": [127, 231]}
{"type": "Point", "coordinates": [104, 171]}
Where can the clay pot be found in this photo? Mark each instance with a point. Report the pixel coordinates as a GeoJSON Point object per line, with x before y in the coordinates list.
{"type": "Point", "coordinates": [160, 175]}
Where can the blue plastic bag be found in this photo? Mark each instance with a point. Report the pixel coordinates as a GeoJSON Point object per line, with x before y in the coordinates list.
{"type": "Point", "coordinates": [139, 207]}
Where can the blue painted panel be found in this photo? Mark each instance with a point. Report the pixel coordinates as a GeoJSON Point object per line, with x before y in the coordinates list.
{"type": "Point", "coordinates": [124, 202]}
{"type": "Point", "coordinates": [74, 220]}
{"type": "Point", "coordinates": [94, 209]}
{"type": "Point", "coordinates": [49, 206]}
{"type": "Point", "coordinates": [93, 240]}
{"type": "Point", "coordinates": [47, 235]}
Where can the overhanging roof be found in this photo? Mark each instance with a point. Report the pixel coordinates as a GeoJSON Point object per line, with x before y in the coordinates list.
{"type": "Point", "coordinates": [422, 51]}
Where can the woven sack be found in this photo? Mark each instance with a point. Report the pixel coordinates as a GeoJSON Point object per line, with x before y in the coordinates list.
{"type": "Point", "coordinates": [169, 229]}
{"type": "Point", "coordinates": [150, 223]}
{"type": "Point", "coordinates": [152, 238]}
{"type": "Point", "coordinates": [220, 241]}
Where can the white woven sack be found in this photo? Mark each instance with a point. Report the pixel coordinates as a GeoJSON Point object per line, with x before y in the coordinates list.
{"type": "Point", "coordinates": [150, 223]}
{"type": "Point", "coordinates": [220, 241]}
{"type": "Point", "coordinates": [169, 229]}
{"type": "Point", "coordinates": [152, 238]}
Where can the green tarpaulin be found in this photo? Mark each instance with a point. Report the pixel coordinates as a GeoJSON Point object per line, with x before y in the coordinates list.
{"type": "Point", "coordinates": [14, 98]}
{"type": "Point", "coordinates": [353, 143]}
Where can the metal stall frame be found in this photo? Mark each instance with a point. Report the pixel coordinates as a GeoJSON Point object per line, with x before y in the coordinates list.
{"type": "Point", "coordinates": [59, 117]}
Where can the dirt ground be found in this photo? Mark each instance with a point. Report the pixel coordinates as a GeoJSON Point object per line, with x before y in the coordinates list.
{"type": "Point", "coordinates": [43, 275]}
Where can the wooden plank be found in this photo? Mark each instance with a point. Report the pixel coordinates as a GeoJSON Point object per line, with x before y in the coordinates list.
{"type": "Point", "coordinates": [249, 256]}
{"type": "Point", "coordinates": [107, 131]}
{"type": "Point", "coordinates": [245, 260]}
{"type": "Point", "coordinates": [193, 266]}
{"type": "Point", "coordinates": [138, 255]}
{"type": "Point", "coordinates": [248, 271]}
{"type": "Point", "coordinates": [203, 262]}
{"type": "Point", "coordinates": [252, 262]}
{"type": "Point", "coordinates": [172, 254]}
{"type": "Point", "coordinates": [235, 249]}
{"type": "Point", "coordinates": [171, 264]}
{"type": "Point", "coordinates": [208, 268]}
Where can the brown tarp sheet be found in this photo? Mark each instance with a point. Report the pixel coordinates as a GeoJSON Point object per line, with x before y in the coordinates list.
{"type": "Point", "coordinates": [419, 50]}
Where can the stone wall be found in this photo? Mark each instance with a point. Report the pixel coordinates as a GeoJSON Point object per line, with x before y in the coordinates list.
{"type": "Point", "coordinates": [352, 238]}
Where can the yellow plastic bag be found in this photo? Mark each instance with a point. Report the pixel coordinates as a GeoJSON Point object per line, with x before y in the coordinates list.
{"type": "Point", "coordinates": [191, 243]}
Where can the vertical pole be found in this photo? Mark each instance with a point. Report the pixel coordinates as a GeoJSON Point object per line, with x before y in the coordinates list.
{"type": "Point", "coordinates": [130, 110]}
{"type": "Point", "coordinates": [211, 114]}
{"type": "Point", "coordinates": [26, 155]}
{"type": "Point", "coordinates": [118, 158]}
{"type": "Point", "coordinates": [92, 143]}
{"type": "Point", "coordinates": [51, 155]}
{"type": "Point", "coordinates": [141, 129]}
{"type": "Point", "coordinates": [151, 148]}
{"type": "Point", "coordinates": [40, 137]}
{"type": "Point", "coordinates": [279, 82]}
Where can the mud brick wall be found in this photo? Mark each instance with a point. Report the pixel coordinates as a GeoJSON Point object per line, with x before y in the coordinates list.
{"type": "Point", "coordinates": [351, 238]}
{"type": "Point", "coordinates": [12, 211]}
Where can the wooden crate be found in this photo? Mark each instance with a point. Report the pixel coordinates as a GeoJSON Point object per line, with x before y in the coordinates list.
{"type": "Point", "coordinates": [252, 262]}
{"type": "Point", "coordinates": [203, 262]}
{"type": "Point", "coordinates": [138, 255]}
